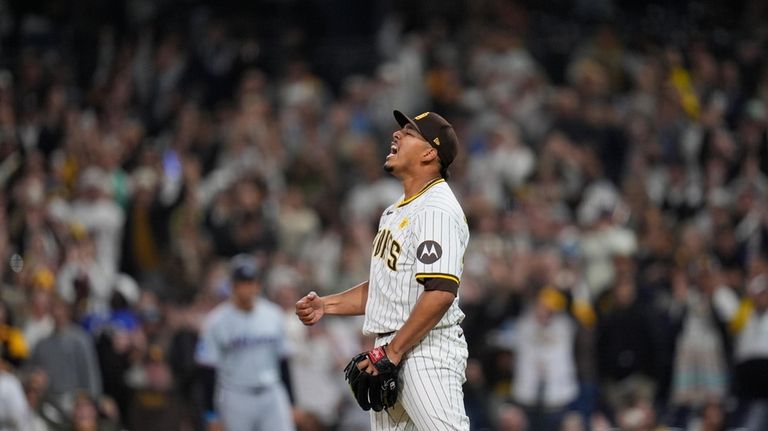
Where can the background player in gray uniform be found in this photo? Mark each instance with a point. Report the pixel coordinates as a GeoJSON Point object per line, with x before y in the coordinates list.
{"type": "Point", "coordinates": [243, 347]}
{"type": "Point", "coordinates": [410, 301]}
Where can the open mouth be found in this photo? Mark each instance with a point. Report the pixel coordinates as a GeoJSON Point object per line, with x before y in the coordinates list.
{"type": "Point", "coordinates": [392, 151]}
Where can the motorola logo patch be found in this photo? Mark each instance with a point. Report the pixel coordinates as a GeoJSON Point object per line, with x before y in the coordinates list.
{"type": "Point", "coordinates": [429, 252]}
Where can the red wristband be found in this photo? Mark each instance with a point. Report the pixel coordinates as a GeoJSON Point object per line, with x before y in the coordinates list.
{"type": "Point", "coordinates": [376, 355]}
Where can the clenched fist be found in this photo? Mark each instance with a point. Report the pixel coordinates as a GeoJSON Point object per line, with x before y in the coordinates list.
{"type": "Point", "coordinates": [310, 309]}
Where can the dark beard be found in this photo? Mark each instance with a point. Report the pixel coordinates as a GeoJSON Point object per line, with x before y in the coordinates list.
{"type": "Point", "coordinates": [388, 169]}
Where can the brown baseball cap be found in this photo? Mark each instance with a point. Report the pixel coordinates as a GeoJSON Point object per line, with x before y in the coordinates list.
{"type": "Point", "coordinates": [437, 131]}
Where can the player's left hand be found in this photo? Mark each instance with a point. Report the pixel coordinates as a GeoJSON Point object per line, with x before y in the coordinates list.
{"type": "Point", "coordinates": [373, 379]}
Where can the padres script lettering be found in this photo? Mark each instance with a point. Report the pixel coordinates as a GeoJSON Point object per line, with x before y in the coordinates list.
{"type": "Point", "coordinates": [387, 248]}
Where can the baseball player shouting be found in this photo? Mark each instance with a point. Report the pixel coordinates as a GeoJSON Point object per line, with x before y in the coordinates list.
{"type": "Point", "coordinates": [243, 348]}
{"type": "Point", "coordinates": [413, 377]}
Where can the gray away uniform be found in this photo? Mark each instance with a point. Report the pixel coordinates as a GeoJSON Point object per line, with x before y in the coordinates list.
{"type": "Point", "coordinates": [245, 348]}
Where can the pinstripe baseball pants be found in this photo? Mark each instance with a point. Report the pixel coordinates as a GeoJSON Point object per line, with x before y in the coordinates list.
{"type": "Point", "coordinates": [431, 377]}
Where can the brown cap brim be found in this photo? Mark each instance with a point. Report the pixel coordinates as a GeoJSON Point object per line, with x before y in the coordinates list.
{"type": "Point", "coordinates": [403, 119]}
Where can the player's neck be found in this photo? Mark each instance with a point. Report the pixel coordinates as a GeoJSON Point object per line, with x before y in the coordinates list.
{"type": "Point", "coordinates": [413, 185]}
{"type": "Point", "coordinates": [244, 306]}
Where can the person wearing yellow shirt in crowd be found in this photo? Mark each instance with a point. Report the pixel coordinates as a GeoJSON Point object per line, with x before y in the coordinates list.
{"type": "Point", "coordinates": [14, 347]}
{"type": "Point", "coordinates": [38, 322]}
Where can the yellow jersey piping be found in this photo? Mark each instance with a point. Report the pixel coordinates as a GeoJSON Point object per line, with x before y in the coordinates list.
{"type": "Point", "coordinates": [437, 275]}
{"type": "Point", "coordinates": [421, 192]}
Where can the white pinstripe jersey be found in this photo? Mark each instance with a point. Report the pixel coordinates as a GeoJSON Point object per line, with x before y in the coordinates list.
{"type": "Point", "coordinates": [419, 238]}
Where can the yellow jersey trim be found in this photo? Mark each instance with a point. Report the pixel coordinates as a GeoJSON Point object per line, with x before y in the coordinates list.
{"type": "Point", "coordinates": [423, 275]}
{"type": "Point", "coordinates": [421, 192]}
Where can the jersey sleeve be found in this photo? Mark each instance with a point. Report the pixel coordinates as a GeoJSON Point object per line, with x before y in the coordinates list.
{"type": "Point", "coordinates": [207, 351]}
{"type": "Point", "coordinates": [440, 244]}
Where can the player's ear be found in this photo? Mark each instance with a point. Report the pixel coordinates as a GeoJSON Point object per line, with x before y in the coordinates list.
{"type": "Point", "coordinates": [429, 155]}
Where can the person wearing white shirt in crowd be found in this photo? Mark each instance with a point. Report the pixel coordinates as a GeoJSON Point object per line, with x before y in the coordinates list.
{"type": "Point", "coordinates": [95, 210]}
{"type": "Point", "coordinates": [545, 367]}
{"type": "Point", "coordinates": [14, 410]}
{"type": "Point", "coordinates": [750, 323]}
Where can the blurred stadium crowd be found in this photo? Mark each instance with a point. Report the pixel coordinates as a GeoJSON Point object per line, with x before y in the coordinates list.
{"type": "Point", "coordinates": [613, 173]}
